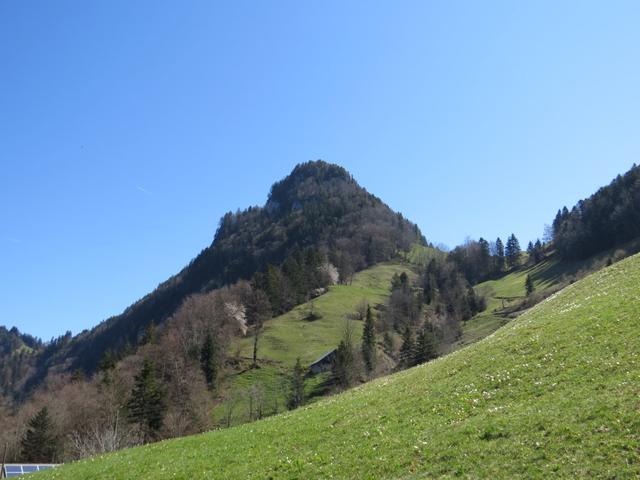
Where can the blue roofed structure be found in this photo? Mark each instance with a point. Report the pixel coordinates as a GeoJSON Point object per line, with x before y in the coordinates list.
{"type": "Point", "coordinates": [13, 470]}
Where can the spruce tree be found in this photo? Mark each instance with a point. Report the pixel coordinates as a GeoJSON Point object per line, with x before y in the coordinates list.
{"type": "Point", "coordinates": [387, 342]}
{"type": "Point", "coordinates": [425, 346]}
{"type": "Point", "coordinates": [499, 258]}
{"type": "Point", "coordinates": [407, 350]}
{"type": "Point", "coordinates": [530, 250]}
{"type": "Point", "coordinates": [149, 335]}
{"type": "Point", "coordinates": [484, 259]}
{"type": "Point", "coordinates": [404, 281]}
{"type": "Point", "coordinates": [343, 364]}
{"type": "Point", "coordinates": [296, 394]}
{"type": "Point", "coordinates": [538, 251]}
{"type": "Point", "coordinates": [512, 251]}
{"type": "Point", "coordinates": [146, 406]}
{"type": "Point", "coordinates": [529, 286]}
{"type": "Point", "coordinates": [208, 361]}
{"type": "Point", "coordinates": [39, 444]}
{"type": "Point", "coordinates": [369, 341]}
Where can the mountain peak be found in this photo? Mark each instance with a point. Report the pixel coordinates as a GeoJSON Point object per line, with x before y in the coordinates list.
{"type": "Point", "coordinates": [310, 180]}
{"type": "Point", "coordinates": [318, 206]}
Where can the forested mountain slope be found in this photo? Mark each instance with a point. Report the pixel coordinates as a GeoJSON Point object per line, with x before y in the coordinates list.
{"type": "Point", "coordinates": [555, 393]}
{"type": "Point", "coordinates": [17, 351]}
{"type": "Point", "coordinates": [608, 218]}
{"type": "Point", "coordinates": [318, 208]}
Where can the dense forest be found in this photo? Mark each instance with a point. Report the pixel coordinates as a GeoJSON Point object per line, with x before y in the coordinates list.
{"type": "Point", "coordinates": [607, 219]}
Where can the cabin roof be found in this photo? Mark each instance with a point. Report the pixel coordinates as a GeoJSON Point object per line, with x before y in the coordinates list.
{"type": "Point", "coordinates": [324, 356]}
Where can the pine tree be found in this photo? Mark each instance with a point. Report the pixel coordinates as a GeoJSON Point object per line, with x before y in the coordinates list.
{"type": "Point", "coordinates": [404, 281]}
{"type": "Point", "coordinates": [529, 286]}
{"type": "Point", "coordinates": [39, 444]}
{"type": "Point", "coordinates": [538, 252]}
{"type": "Point", "coordinates": [369, 342]}
{"type": "Point", "coordinates": [208, 361]}
{"type": "Point", "coordinates": [499, 258]}
{"type": "Point", "coordinates": [108, 360]}
{"type": "Point", "coordinates": [342, 364]}
{"type": "Point", "coordinates": [484, 259]}
{"type": "Point", "coordinates": [425, 346]}
{"type": "Point", "coordinates": [512, 251]}
{"type": "Point", "coordinates": [146, 406]}
{"type": "Point", "coordinates": [557, 223]}
{"type": "Point", "coordinates": [149, 335]}
{"type": "Point", "coordinates": [387, 342]}
{"type": "Point", "coordinates": [407, 350]}
{"type": "Point", "coordinates": [296, 394]}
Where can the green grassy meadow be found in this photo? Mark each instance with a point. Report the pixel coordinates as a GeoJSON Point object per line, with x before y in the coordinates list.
{"type": "Point", "coordinates": [290, 336]}
{"type": "Point", "coordinates": [553, 394]}
{"type": "Point", "coordinates": [509, 290]}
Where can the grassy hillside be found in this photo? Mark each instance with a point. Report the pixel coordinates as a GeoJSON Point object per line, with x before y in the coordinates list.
{"type": "Point", "coordinates": [421, 255]}
{"type": "Point", "coordinates": [291, 335]}
{"type": "Point", "coordinates": [507, 291]}
{"type": "Point", "coordinates": [555, 393]}
{"type": "Point", "coordinates": [546, 274]}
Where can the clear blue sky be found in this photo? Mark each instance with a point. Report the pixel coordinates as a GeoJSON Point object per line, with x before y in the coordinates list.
{"type": "Point", "coordinates": [128, 128]}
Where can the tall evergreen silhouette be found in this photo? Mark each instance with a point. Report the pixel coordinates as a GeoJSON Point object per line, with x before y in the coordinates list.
{"type": "Point", "coordinates": [369, 341]}
{"type": "Point", "coordinates": [39, 444]}
{"type": "Point", "coordinates": [146, 406]}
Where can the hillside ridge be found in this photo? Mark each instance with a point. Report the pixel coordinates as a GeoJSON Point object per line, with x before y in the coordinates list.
{"type": "Point", "coordinates": [318, 205]}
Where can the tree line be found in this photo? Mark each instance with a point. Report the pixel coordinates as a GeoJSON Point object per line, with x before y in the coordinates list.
{"type": "Point", "coordinates": [481, 260]}
{"type": "Point", "coordinates": [609, 218]}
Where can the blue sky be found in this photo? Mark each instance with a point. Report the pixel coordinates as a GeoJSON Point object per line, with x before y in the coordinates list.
{"type": "Point", "coordinates": [128, 128]}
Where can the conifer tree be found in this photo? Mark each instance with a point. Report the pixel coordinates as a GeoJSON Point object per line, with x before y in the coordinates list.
{"type": "Point", "coordinates": [499, 258]}
{"type": "Point", "coordinates": [39, 444]}
{"type": "Point", "coordinates": [529, 286]}
{"type": "Point", "coordinates": [342, 364]}
{"type": "Point", "coordinates": [484, 260]}
{"type": "Point", "coordinates": [387, 342]}
{"type": "Point", "coordinates": [369, 341]}
{"type": "Point", "coordinates": [296, 394]}
{"type": "Point", "coordinates": [108, 360]}
{"type": "Point", "coordinates": [146, 406]}
{"type": "Point", "coordinates": [538, 252]}
{"type": "Point", "coordinates": [407, 350]}
{"type": "Point", "coordinates": [425, 346]}
{"type": "Point", "coordinates": [512, 251]}
{"type": "Point", "coordinates": [149, 335]}
{"type": "Point", "coordinates": [208, 362]}
{"type": "Point", "coordinates": [404, 280]}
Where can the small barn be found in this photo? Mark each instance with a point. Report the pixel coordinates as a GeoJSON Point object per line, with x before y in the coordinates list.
{"type": "Point", "coordinates": [323, 364]}
{"type": "Point", "coordinates": [13, 470]}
